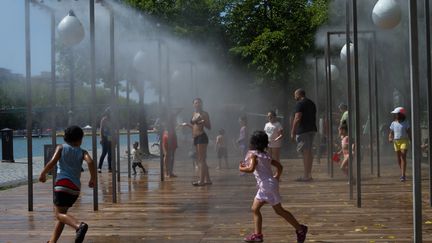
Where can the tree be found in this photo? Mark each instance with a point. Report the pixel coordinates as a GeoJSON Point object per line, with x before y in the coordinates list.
{"type": "Point", "coordinates": [269, 38]}
{"type": "Point", "coordinates": [273, 36]}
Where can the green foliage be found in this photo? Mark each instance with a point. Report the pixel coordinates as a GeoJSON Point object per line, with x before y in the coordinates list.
{"type": "Point", "coordinates": [272, 37]}
{"type": "Point", "coordinates": [187, 18]}
{"type": "Point", "coordinates": [13, 103]}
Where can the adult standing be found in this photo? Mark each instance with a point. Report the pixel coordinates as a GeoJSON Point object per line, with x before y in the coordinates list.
{"type": "Point", "coordinates": [243, 139]}
{"type": "Point", "coordinates": [200, 120]}
{"type": "Point", "coordinates": [303, 130]}
{"type": "Point", "coordinates": [106, 139]}
{"type": "Point", "coordinates": [169, 146]}
{"type": "Point", "coordinates": [274, 131]}
{"type": "Point", "coordinates": [343, 108]}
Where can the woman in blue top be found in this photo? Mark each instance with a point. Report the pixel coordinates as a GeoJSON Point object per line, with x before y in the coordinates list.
{"type": "Point", "coordinates": [69, 158]}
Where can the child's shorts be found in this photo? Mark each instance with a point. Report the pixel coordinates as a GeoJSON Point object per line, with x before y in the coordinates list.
{"type": "Point", "coordinates": [65, 193]}
{"type": "Point", "coordinates": [401, 144]}
{"type": "Point", "coordinates": [222, 153]}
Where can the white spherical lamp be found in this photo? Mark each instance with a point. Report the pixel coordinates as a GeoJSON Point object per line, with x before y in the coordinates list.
{"type": "Point", "coordinates": [343, 53]}
{"type": "Point", "coordinates": [140, 61]}
{"type": "Point", "coordinates": [70, 30]}
{"type": "Point", "coordinates": [175, 75]}
{"type": "Point", "coordinates": [386, 14]}
{"type": "Point", "coordinates": [334, 71]}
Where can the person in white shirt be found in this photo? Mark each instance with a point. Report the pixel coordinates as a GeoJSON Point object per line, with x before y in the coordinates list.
{"type": "Point", "coordinates": [400, 136]}
{"type": "Point", "coordinates": [274, 131]}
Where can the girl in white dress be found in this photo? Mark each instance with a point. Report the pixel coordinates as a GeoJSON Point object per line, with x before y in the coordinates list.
{"type": "Point", "coordinates": [259, 163]}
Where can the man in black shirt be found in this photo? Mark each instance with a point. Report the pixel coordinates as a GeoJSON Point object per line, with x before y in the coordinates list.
{"type": "Point", "coordinates": [303, 130]}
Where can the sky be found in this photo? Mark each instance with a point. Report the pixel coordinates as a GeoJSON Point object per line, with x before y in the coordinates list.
{"type": "Point", "coordinates": [12, 34]}
{"type": "Point", "coordinates": [12, 40]}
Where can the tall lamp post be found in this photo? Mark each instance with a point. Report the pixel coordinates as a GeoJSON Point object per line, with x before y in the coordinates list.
{"type": "Point", "coordinates": [140, 61]}
{"type": "Point", "coordinates": [29, 106]}
{"type": "Point", "coordinates": [74, 33]}
{"type": "Point", "coordinates": [71, 32]}
{"type": "Point", "coordinates": [53, 78]}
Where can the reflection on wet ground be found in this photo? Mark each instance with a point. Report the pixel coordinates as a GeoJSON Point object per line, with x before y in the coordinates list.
{"type": "Point", "coordinates": [152, 211]}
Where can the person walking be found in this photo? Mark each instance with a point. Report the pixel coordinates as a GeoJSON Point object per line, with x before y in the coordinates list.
{"type": "Point", "coordinates": [400, 136]}
{"type": "Point", "coordinates": [303, 130]}
{"type": "Point", "coordinates": [106, 139]}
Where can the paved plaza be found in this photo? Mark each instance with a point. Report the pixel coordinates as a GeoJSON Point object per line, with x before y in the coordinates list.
{"type": "Point", "coordinates": [174, 211]}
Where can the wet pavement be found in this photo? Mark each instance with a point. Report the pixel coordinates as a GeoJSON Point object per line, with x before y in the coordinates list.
{"type": "Point", "coordinates": [152, 211]}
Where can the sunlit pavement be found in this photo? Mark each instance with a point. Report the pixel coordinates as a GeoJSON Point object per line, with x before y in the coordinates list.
{"type": "Point", "coordinates": [152, 211]}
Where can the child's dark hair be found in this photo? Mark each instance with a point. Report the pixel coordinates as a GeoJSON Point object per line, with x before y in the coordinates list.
{"type": "Point", "coordinates": [221, 131]}
{"type": "Point", "coordinates": [197, 99]}
{"type": "Point", "coordinates": [401, 117]}
{"type": "Point", "coordinates": [258, 141]}
{"type": "Point", "coordinates": [344, 126]}
{"type": "Point", "coordinates": [73, 134]}
{"type": "Point", "coordinates": [273, 113]}
{"type": "Point", "coordinates": [243, 119]}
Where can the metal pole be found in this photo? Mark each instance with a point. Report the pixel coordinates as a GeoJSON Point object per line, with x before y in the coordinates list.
{"type": "Point", "coordinates": [317, 109]}
{"type": "Point", "coordinates": [128, 128]}
{"type": "Point", "coordinates": [195, 81]}
{"type": "Point", "coordinates": [370, 108]}
{"type": "Point", "coordinates": [170, 128]}
{"type": "Point", "coordinates": [161, 156]}
{"type": "Point", "coordinates": [191, 77]}
{"type": "Point", "coordinates": [93, 99]}
{"type": "Point", "coordinates": [29, 106]}
{"type": "Point", "coordinates": [115, 85]}
{"type": "Point", "coordinates": [113, 111]}
{"type": "Point", "coordinates": [71, 87]}
{"type": "Point", "coordinates": [53, 81]}
{"type": "Point", "coordinates": [327, 107]}
{"type": "Point", "coordinates": [429, 93]}
{"type": "Point", "coordinates": [330, 110]}
{"type": "Point", "coordinates": [53, 93]}
{"type": "Point", "coordinates": [357, 105]}
{"type": "Point", "coordinates": [415, 116]}
{"type": "Point", "coordinates": [349, 91]}
{"type": "Point", "coordinates": [377, 132]}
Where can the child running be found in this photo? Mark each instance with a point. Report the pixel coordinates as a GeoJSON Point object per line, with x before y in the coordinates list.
{"type": "Point", "coordinates": [67, 185]}
{"type": "Point", "coordinates": [137, 158]}
{"type": "Point", "coordinates": [400, 135]}
{"type": "Point", "coordinates": [343, 133]}
{"type": "Point", "coordinates": [259, 162]}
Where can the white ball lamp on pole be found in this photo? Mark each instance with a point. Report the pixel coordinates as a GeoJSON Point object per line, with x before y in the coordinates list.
{"type": "Point", "coordinates": [343, 53]}
{"type": "Point", "coordinates": [334, 71]}
{"type": "Point", "coordinates": [70, 30]}
{"type": "Point", "coordinates": [386, 14]}
{"type": "Point", "coordinates": [140, 61]}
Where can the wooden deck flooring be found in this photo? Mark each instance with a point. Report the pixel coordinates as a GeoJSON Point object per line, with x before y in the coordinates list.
{"type": "Point", "coordinates": [174, 210]}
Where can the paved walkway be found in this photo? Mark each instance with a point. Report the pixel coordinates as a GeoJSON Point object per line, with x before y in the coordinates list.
{"type": "Point", "coordinates": [174, 211]}
{"type": "Point", "coordinates": [13, 174]}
